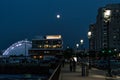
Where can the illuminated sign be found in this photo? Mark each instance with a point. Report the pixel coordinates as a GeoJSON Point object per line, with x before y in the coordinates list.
{"type": "Point", "coordinates": [53, 37]}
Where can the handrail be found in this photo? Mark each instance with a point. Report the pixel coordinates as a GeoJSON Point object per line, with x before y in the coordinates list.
{"type": "Point", "coordinates": [56, 73]}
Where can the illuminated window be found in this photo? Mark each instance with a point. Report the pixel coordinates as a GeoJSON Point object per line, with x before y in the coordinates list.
{"type": "Point", "coordinates": [50, 46]}
{"type": "Point", "coordinates": [46, 46]}
{"type": "Point", "coordinates": [34, 57]}
{"type": "Point", "coordinates": [117, 10]}
{"type": "Point", "coordinates": [53, 37]}
{"type": "Point", "coordinates": [114, 37]}
{"type": "Point", "coordinates": [54, 46]}
{"type": "Point", "coordinates": [59, 46]}
{"type": "Point", "coordinates": [40, 57]}
{"type": "Point", "coordinates": [47, 52]}
{"type": "Point", "coordinates": [105, 33]}
{"type": "Point", "coordinates": [40, 46]}
{"type": "Point", "coordinates": [46, 41]}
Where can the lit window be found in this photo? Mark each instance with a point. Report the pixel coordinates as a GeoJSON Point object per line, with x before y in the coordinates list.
{"type": "Point", "coordinates": [114, 37]}
{"type": "Point", "coordinates": [117, 10]}
{"type": "Point", "coordinates": [40, 46]}
{"type": "Point", "coordinates": [50, 46]}
{"type": "Point", "coordinates": [53, 37]}
{"type": "Point", "coordinates": [47, 52]}
{"type": "Point", "coordinates": [46, 46]}
{"type": "Point", "coordinates": [40, 57]}
{"type": "Point", "coordinates": [34, 57]}
{"type": "Point", "coordinates": [105, 33]}
{"type": "Point", "coordinates": [46, 42]}
{"type": "Point", "coordinates": [54, 46]}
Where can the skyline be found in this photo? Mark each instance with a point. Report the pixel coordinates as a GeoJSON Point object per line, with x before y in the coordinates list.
{"type": "Point", "coordinates": [21, 19]}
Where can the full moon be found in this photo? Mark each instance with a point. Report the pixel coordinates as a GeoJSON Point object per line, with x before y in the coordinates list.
{"type": "Point", "coordinates": [58, 16]}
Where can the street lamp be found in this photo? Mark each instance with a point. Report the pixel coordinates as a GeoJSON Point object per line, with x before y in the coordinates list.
{"type": "Point", "coordinates": [81, 43]}
{"type": "Point", "coordinates": [89, 34]}
{"type": "Point", "coordinates": [107, 19]}
{"type": "Point", "coordinates": [89, 37]}
{"type": "Point", "coordinates": [77, 46]}
{"type": "Point", "coordinates": [83, 64]}
{"type": "Point", "coordinates": [58, 16]}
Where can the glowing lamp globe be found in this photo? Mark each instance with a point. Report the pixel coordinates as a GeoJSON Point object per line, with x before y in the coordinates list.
{"type": "Point", "coordinates": [58, 16]}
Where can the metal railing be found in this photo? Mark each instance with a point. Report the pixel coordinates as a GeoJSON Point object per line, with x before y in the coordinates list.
{"type": "Point", "coordinates": [56, 73]}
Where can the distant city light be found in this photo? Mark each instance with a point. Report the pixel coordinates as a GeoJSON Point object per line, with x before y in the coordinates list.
{"type": "Point", "coordinates": [58, 16]}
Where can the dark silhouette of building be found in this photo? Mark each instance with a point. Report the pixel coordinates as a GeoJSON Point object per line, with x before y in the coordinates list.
{"type": "Point", "coordinates": [106, 30]}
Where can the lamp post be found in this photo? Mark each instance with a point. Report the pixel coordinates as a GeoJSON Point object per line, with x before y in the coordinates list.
{"type": "Point", "coordinates": [81, 44]}
{"type": "Point", "coordinates": [89, 37]}
{"type": "Point", "coordinates": [77, 46]}
{"type": "Point", "coordinates": [107, 19]}
{"type": "Point", "coordinates": [83, 64]}
{"type": "Point", "coordinates": [89, 34]}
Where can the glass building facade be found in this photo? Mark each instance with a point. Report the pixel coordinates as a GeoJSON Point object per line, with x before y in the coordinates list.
{"type": "Point", "coordinates": [48, 45]}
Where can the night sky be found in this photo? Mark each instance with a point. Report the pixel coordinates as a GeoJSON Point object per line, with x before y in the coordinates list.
{"type": "Point", "coordinates": [20, 19]}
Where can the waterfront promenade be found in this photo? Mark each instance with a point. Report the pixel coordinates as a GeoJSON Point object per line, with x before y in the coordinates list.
{"type": "Point", "coordinates": [94, 74]}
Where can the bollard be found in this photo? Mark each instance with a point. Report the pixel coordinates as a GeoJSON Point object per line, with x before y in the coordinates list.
{"type": "Point", "coordinates": [83, 69]}
{"type": "Point", "coordinates": [87, 70]}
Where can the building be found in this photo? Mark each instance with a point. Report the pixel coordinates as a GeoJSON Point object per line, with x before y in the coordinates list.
{"type": "Point", "coordinates": [47, 45]}
{"type": "Point", "coordinates": [107, 32]}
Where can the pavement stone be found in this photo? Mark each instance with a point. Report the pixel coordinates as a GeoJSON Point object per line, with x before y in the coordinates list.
{"type": "Point", "coordinates": [94, 74]}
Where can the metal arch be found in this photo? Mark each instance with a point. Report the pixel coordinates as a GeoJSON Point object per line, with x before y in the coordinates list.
{"type": "Point", "coordinates": [17, 44]}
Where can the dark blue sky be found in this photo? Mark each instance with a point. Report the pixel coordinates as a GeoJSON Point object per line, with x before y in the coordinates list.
{"type": "Point", "coordinates": [20, 19]}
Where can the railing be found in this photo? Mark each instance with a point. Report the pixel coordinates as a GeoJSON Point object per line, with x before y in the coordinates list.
{"type": "Point", "coordinates": [56, 73]}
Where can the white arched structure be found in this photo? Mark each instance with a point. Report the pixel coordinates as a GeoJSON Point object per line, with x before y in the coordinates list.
{"type": "Point", "coordinates": [18, 48]}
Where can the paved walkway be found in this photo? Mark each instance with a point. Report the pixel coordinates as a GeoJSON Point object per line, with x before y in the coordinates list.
{"type": "Point", "coordinates": [94, 74]}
